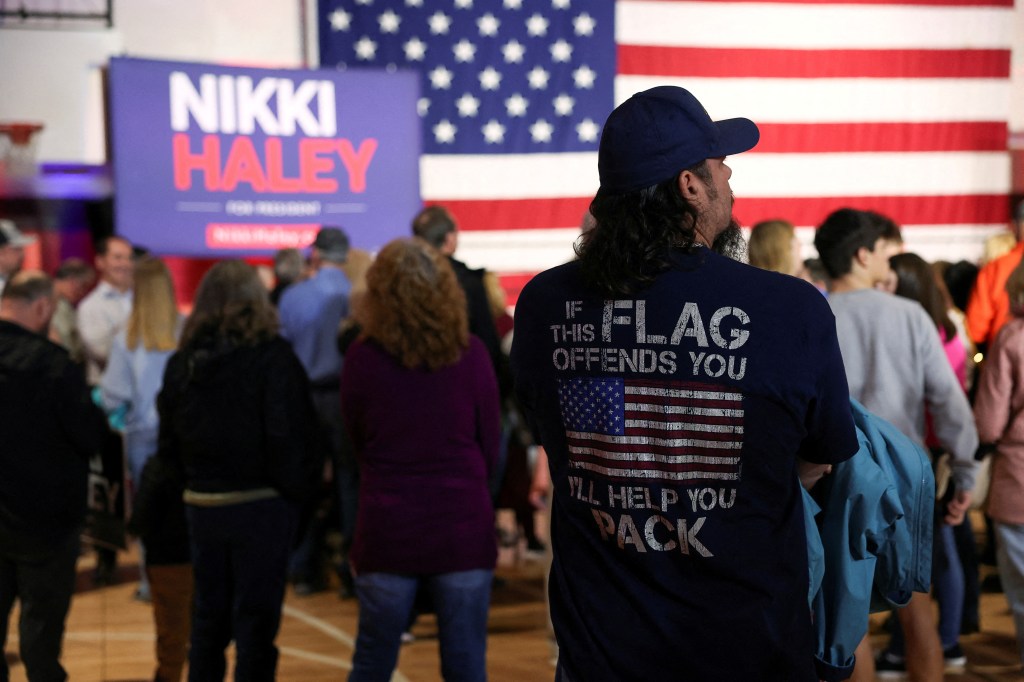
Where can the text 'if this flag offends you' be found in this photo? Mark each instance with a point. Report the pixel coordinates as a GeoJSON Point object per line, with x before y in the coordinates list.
{"type": "Point", "coordinates": [899, 108]}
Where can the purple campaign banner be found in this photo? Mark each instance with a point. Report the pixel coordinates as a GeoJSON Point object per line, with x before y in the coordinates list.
{"type": "Point", "coordinates": [231, 161]}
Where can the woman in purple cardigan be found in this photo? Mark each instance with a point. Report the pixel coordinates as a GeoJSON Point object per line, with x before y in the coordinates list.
{"type": "Point", "coordinates": [420, 401]}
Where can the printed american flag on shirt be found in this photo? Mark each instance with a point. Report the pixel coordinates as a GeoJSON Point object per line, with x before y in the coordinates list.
{"type": "Point", "coordinates": [652, 431]}
{"type": "Point", "coordinates": [900, 108]}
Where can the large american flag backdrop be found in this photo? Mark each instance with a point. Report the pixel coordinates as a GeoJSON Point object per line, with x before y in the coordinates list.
{"type": "Point", "coordinates": [900, 108]}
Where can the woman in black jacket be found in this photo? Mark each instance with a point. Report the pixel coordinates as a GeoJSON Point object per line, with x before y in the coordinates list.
{"type": "Point", "coordinates": [236, 417]}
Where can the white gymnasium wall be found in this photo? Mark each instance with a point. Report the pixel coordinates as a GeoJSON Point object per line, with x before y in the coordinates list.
{"type": "Point", "coordinates": [53, 76]}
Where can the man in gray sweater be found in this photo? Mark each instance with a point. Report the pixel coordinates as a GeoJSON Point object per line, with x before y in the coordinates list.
{"type": "Point", "coordinates": [896, 367]}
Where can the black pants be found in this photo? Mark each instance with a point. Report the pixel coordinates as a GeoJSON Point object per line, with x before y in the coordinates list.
{"type": "Point", "coordinates": [43, 580]}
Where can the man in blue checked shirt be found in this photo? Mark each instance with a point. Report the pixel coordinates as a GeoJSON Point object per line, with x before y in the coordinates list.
{"type": "Point", "coordinates": [310, 312]}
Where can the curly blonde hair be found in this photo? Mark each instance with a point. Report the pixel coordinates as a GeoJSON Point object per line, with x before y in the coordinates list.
{"type": "Point", "coordinates": [414, 307]}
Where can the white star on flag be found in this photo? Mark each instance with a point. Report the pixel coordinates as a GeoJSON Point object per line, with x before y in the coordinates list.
{"type": "Point", "coordinates": [464, 51]}
{"type": "Point", "coordinates": [494, 132]}
{"type": "Point", "coordinates": [563, 105]}
{"type": "Point", "coordinates": [488, 25]}
{"type": "Point", "coordinates": [365, 48]}
{"type": "Point", "coordinates": [340, 20]}
{"type": "Point", "coordinates": [439, 23]}
{"type": "Point", "coordinates": [583, 25]}
{"type": "Point", "coordinates": [587, 130]}
{"type": "Point", "coordinates": [516, 105]}
{"type": "Point", "coordinates": [513, 51]}
{"type": "Point", "coordinates": [415, 49]}
{"type": "Point", "coordinates": [490, 79]}
{"type": "Point", "coordinates": [441, 78]}
{"type": "Point", "coordinates": [537, 25]}
{"type": "Point", "coordinates": [468, 105]}
{"type": "Point", "coordinates": [389, 22]}
{"type": "Point", "coordinates": [445, 131]}
{"type": "Point", "coordinates": [538, 78]}
{"type": "Point", "coordinates": [561, 51]}
{"type": "Point", "coordinates": [541, 131]}
{"type": "Point", "coordinates": [584, 77]}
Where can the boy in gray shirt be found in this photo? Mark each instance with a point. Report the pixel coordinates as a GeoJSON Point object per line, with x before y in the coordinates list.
{"type": "Point", "coordinates": [896, 367]}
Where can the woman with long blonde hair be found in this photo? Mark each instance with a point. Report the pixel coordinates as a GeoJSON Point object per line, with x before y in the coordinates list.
{"type": "Point", "coordinates": [420, 401]}
{"type": "Point", "coordinates": [135, 371]}
{"type": "Point", "coordinates": [130, 383]}
{"type": "Point", "coordinates": [774, 246]}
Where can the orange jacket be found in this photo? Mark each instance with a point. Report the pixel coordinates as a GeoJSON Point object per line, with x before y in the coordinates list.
{"type": "Point", "coordinates": [989, 307]}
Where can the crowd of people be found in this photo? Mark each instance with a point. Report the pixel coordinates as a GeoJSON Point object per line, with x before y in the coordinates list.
{"type": "Point", "coordinates": [699, 422]}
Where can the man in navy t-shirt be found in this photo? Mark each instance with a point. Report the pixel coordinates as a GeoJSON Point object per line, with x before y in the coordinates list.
{"type": "Point", "coordinates": [679, 395]}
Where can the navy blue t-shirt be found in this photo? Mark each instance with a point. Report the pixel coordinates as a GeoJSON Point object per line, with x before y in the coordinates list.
{"type": "Point", "coordinates": [673, 420]}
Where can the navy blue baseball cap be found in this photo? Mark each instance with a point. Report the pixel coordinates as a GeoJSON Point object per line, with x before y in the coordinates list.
{"type": "Point", "coordinates": [656, 133]}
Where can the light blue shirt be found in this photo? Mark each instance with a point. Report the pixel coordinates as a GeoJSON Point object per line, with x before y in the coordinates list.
{"type": "Point", "coordinates": [310, 314]}
{"type": "Point", "coordinates": [132, 379]}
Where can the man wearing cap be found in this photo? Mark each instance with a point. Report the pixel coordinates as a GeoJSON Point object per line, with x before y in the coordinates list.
{"type": "Point", "coordinates": [311, 311]}
{"type": "Point", "coordinates": [71, 282]}
{"type": "Point", "coordinates": [681, 397]}
{"type": "Point", "coordinates": [50, 429]}
{"type": "Point", "coordinates": [12, 250]}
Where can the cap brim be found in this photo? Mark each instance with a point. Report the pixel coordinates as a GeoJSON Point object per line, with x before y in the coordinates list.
{"type": "Point", "coordinates": [736, 135]}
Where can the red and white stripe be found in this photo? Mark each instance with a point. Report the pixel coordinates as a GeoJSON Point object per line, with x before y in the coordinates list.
{"type": "Point", "coordinates": [900, 108]}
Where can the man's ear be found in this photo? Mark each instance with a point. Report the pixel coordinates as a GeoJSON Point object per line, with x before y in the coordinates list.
{"type": "Point", "coordinates": [451, 243]}
{"type": "Point", "coordinates": [42, 311]}
{"type": "Point", "coordinates": [861, 256]}
{"type": "Point", "coordinates": [691, 187]}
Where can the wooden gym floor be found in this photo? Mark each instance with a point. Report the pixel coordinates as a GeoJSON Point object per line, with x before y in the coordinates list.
{"type": "Point", "coordinates": [110, 635]}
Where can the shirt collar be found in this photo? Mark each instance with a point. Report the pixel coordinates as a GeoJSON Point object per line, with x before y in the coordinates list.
{"type": "Point", "coordinates": [108, 290]}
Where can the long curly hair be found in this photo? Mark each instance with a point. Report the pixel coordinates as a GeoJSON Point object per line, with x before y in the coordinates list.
{"type": "Point", "coordinates": [232, 307]}
{"type": "Point", "coordinates": [635, 235]}
{"type": "Point", "coordinates": [414, 307]}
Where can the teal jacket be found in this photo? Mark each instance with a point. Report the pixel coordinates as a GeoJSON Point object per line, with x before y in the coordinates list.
{"type": "Point", "coordinates": [870, 545]}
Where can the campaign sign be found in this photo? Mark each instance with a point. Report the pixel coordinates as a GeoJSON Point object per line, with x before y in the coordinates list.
{"type": "Point", "coordinates": [106, 508]}
{"type": "Point", "coordinates": [228, 161]}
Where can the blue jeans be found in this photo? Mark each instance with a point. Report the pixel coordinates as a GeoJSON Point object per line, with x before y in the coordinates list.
{"type": "Point", "coordinates": [461, 600]}
{"type": "Point", "coordinates": [240, 562]}
{"type": "Point", "coordinates": [947, 586]}
{"type": "Point", "coordinates": [139, 447]}
{"type": "Point", "coordinates": [1010, 557]}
